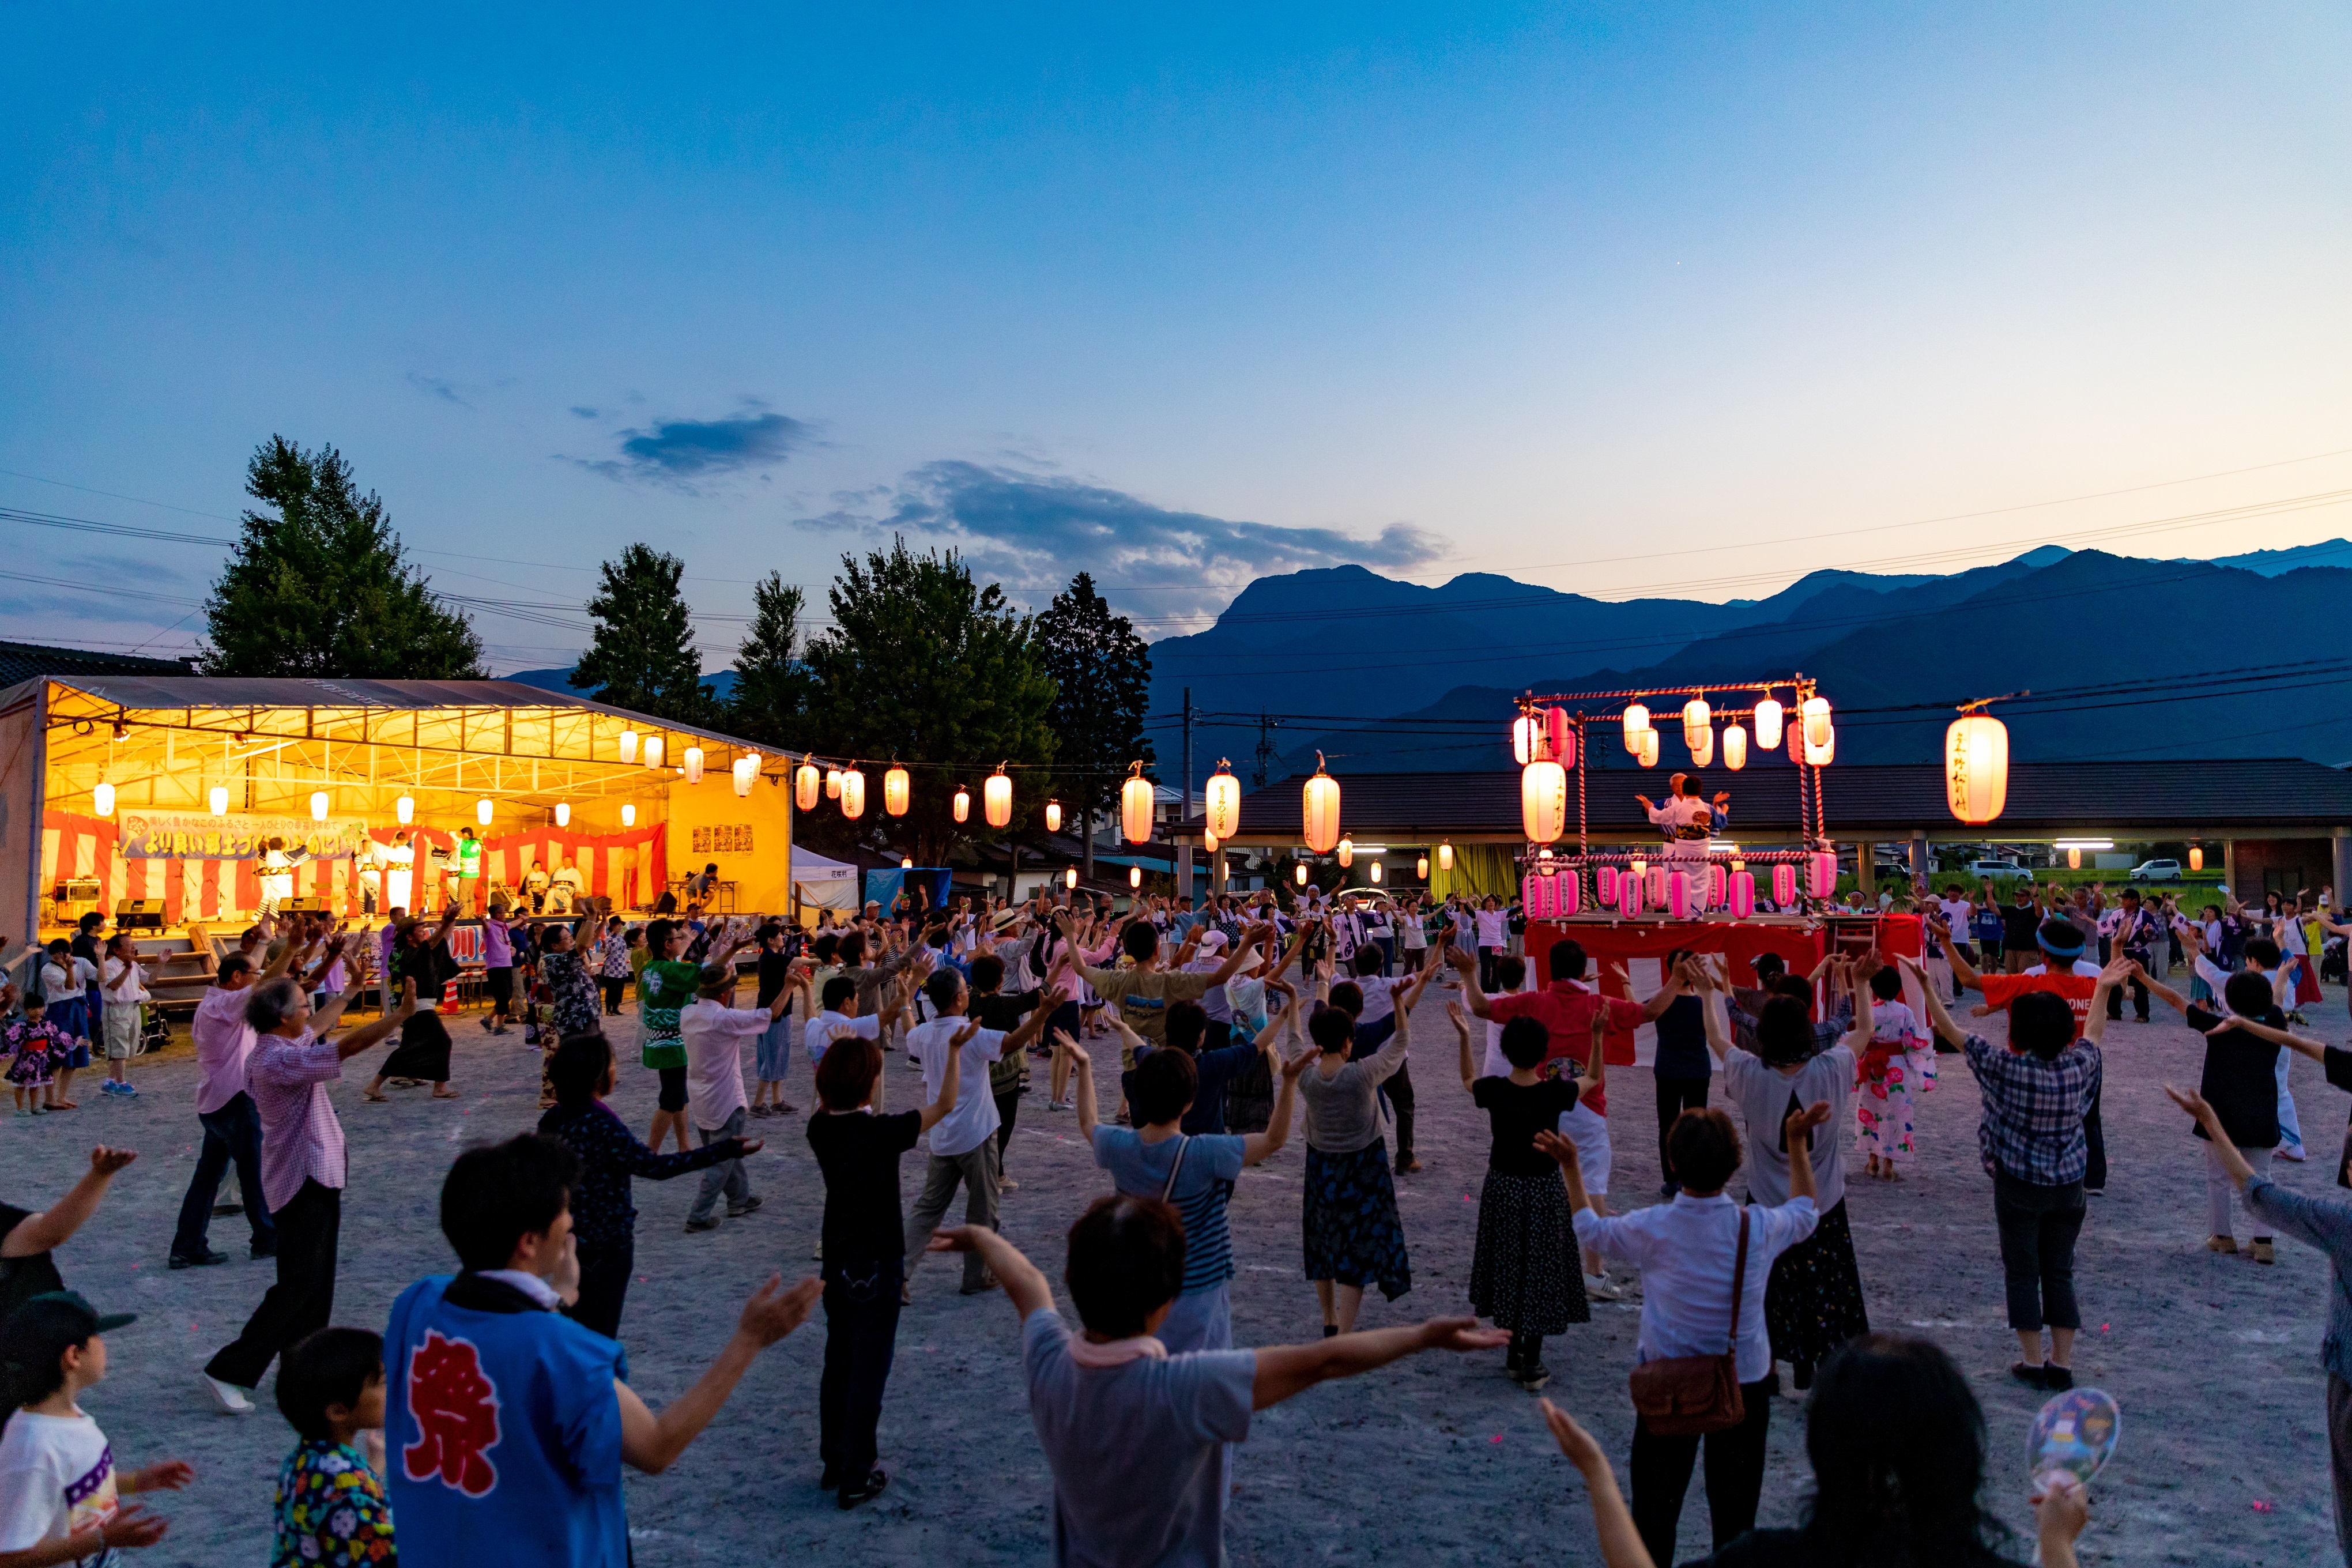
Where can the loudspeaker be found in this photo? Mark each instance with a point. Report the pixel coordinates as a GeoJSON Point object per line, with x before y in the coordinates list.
{"type": "Point", "coordinates": [139, 914]}
{"type": "Point", "coordinates": [301, 906]}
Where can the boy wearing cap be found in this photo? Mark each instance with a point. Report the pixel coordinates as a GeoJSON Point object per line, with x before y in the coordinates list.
{"type": "Point", "coordinates": [60, 1496]}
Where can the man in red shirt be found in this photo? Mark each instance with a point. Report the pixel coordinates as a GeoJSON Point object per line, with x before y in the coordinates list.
{"type": "Point", "coordinates": [1566, 1009]}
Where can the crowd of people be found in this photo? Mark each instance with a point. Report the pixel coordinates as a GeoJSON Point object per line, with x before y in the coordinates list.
{"type": "Point", "coordinates": [1235, 1023]}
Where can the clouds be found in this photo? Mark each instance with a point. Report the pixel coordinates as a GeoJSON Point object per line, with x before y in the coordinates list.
{"type": "Point", "coordinates": [437, 387]}
{"type": "Point", "coordinates": [685, 453]}
{"type": "Point", "coordinates": [1028, 528]}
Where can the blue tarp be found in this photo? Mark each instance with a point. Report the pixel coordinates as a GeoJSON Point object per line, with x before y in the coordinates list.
{"type": "Point", "coordinates": [925, 888]}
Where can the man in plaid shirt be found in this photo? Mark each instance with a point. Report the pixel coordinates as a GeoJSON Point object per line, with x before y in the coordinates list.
{"type": "Point", "coordinates": [2036, 1090]}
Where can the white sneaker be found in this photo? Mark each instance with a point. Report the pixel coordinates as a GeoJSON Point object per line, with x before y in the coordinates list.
{"type": "Point", "coordinates": [227, 1396]}
{"type": "Point", "coordinates": [1597, 1287]}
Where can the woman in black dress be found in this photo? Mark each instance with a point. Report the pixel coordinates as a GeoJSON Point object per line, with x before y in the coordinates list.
{"type": "Point", "coordinates": [422, 954]}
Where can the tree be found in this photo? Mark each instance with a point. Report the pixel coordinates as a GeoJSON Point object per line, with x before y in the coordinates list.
{"type": "Point", "coordinates": [320, 586]}
{"type": "Point", "coordinates": [642, 656]}
{"type": "Point", "coordinates": [772, 685]}
{"type": "Point", "coordinates": [921, 665]}
{"type": "Point", "coordinates": [1102, 676]}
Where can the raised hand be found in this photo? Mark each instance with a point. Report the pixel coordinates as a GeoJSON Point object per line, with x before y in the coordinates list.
{"type": "Point", "coordinates": [1574, 1441]}
{"type": "Point", "coordinates": [774, 1311]}
{"type": "Point", "coordinates": [1078, 1053]}
{"type": "Point", "coordinates": [105, 1162]}
{"type": "Point", "coordinates": [1559, 1145]}
{"type": "Point", "coordinates": [1461, 1334]}
{"type": "Point", "coordinates": [1804, 1120]}
{"type": "Point", "coordinates": [963, 1036]}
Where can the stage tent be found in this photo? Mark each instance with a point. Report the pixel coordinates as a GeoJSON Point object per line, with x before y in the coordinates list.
{"type": "Point", "coordinates": [823, 884]}
{"type": "Point", "coordinates": [201, 773]}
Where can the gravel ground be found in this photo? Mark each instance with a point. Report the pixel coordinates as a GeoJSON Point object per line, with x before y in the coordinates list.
{"type": "Point", "coordinates": [2214, 1360]}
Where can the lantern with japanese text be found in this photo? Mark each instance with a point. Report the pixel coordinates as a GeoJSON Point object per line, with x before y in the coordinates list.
{"type": "Point", "coordinates": [1678, 895]}
{"type": "Point", "coordinates": [745, 770]}
{"type": "Point", "coordinates": [1637, 724]}
{"type": "Point", "coordinates": [1135, 807]}
{"type": "Point", "coordinates": [1629, 896]}
{"type": "Point", "coordinates": [1535, 896]}
{"type": "Point", "coordinates": [898, 788]}
{"type": "Point", "coordinates": [1698, 723]}
{"type": "Point", "coordinates": [1769, 715]}
{"type": "Point", "coordinates": [853, 794]}
{"type": "Point", "coordinates": [996, 798]}
{"type": "Point", "coordinates": [1715, 876]}
{"type": "Point", "coordinates": [1604, 886]}
{"type": "Point", "coordinates": [1220, 802]}
{"type": "Point", "coordinates": [1653, 886]}
{"type": "Point", "coordinates": [807, 783]}
{"type": "Point", "coordinates": [1743, 895]}
{"type": "Point", "coordinates": [693, 761]}
{"type": "Point", "coordinates": [1567, 897]}
{"type": "Point", "coordinates": [1975, 767]}
{"type": "Point", "coordinates": [1735, 747]}
{"type": "Point", "coordinates": [1820, 881]}
{"type": "Point", "coordinates": [1543, 800]}
{"type": "Point", "coordinates": [1319, 811]}
{"type": "Point", "coordinates": [1784, 884]}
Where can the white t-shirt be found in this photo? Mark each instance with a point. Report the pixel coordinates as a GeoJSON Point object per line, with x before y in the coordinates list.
{"type": "Point", "coordinates": [57, 1475]}
{"type": "Point", "coordinates": [713, 1033]}
{"type": "Point", "coordinates": [1493, 927]}
{"type": "Point", "coordinates": [973, 1121]}
{"type": "Point", "coordinates": [1957, 913]}
{"type": "Point", "coordinates": [817, 1033]}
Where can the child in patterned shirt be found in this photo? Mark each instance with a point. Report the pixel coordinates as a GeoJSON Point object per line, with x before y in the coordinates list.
{"type": "Point", "coordinates": [35, 1049]}
{"type": "Point", "coordinates": [1887, 1076]}
{"type": "Point", "coordinates": [331, 1505]}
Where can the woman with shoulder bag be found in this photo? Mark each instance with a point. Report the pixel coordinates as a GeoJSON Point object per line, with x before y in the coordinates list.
{"type": "Point", "coordinates": [1705, 1362]}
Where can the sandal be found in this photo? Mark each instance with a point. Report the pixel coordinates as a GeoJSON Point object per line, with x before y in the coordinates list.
{"type": "Point", "coordinates": [375, 1099]}
{"type": "Point", "coordinates": [453, 1094]}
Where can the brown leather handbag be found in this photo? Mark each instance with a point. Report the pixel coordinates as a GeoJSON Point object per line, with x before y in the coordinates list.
{"type": "Point", "coordinates": [1688, 1395]}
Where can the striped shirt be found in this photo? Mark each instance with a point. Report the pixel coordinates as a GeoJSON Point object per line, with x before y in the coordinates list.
{"type": "Point", "coordinates": [1204, 1186]}
{"type": "Point", "coordinates": [300, 1139]}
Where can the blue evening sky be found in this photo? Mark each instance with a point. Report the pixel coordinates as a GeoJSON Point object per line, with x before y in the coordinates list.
{"type": "Point", "coordinates": [1682, 298]}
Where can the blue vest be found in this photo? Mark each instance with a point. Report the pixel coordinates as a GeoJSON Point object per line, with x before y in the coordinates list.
{"type": "Point", "coordinates": [502, 1430]}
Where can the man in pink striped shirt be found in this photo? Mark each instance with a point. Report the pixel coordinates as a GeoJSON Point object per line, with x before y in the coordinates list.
{"type": "Point", "coordinates": [301, 1172]}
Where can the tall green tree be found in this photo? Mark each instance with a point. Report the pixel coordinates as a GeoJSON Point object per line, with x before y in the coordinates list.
{"type": "Point", "coordinates": [318, 585]}
{"type": "Point", "coordinates": [642, 656]}
{"type": "Point", "coordinates": [772, 685]}
{"type": "Point", "coordinates": [921, 664]}
{"type": "Point", "coordinates": [1102, 679]}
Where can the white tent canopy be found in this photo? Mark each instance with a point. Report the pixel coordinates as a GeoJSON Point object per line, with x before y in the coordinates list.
{"type": "Point", "coordinates": [828, 884]}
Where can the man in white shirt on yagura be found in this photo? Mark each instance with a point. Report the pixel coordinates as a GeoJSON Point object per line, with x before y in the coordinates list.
{"type": "Point", "coordinates": [1688, 1251]}
{"type": "Point", "coordinates": [964, 1143]}
{"type": "Point", "coordinates": [714, 1034]}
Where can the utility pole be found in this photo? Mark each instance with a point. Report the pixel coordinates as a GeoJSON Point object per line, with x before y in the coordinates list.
{"type": "Point", "coordinates": [1185, 845]}
{"type": "Point", "coordinates": [1265, 750]}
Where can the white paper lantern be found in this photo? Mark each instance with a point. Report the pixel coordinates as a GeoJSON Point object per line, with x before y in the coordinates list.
{"type": "Point", "coordinates": [1376, 871]}
{"type": "Point", "coordinates": [959, 807]}
{"type": "Point", "coordinates": [1346, 853]}
{"type": "Point", "coordinates": [833, 784]}
{"type": "Point", "coordinates": [693, 764]}
{"type": "Point", "coordinates": [218, 797]}
{"type": "Point", "coordinates": [1302, 873]}
{"type": "Point", "coordinates": [1569, 897]}
{"type": "Point", "coordinates": [1445, 857]}
{"type": "Point", "coordinates": [1637, 722]}
{"type": "Point", "coordinates": [1135, 807]}
{"type": "Point", "coordinates": [1820, 753]}
{"type": "Point", "coordinates": [482, 811]}
{"type": "Point", "coordinates": [1976, 769]}
{"type": "Point", "coordinates": [629, 814]}
{"type": "Point", "coordinates": [1768, 724]}
{"type": "Point", "coordinates": [102, 799]}
{"type": "Point", "coordinates": [1703, 750]}
{"type": "Point", "coordinates": [651, 751]}
{"type": "Point", "coordinates": [1698, 723]}
{"type": "Point", "coordinates": [1223, 802]}
{"type": "Point", "coordinates": [1135, 876]}
{"type": "Point", "coordinates": [1319, 810]}
{"type": "Point", "coordinates": [404, 809]}
{"type": "Point", "coordinates": [853, 794]}
{"type": "Point", "coordinates": [897, 789]}
{"type": "Point", "coordinates": [1053, 816]}
{"type": "Point", "coordinates": [629, 745]}
{"type": "Point", "coordinates": [1647, 752]}
{"type": "Point", "coordinates": [318, 806]}
{"type": "Point", "coordinates": [1526, 738]}
{"type": "Point", "coordinates": [1421, 867]}
{"type": "Point", "coordinates": [1816, 712]}
{"type": "Point", "coordinates": [562, 813]}
{"type": "Point", "coordinates": [2196, 857]}
{"type": "Point", "coordinates": [808, 785]}
{"type": "Point", "coordinates": [996, 799]}
{"type": "Point", "coordinates": [1070, 877]}
{"type": "Point", "coordinates": [746, 770]}
{"type": "Point", "coordinates": [1543, 800]}
{"type": "Point", "coordinates": [1735, 747]}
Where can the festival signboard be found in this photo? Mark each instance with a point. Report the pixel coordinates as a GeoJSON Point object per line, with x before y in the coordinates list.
{"type": "Point", "coordinates": [239, 836]}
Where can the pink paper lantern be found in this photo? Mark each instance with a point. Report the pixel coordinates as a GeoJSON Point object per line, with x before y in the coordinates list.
{"type": "Point", "coordinates": [1563, 737]}
{"type": "Point", "coordinates": [1629, 897]}
{"type": "Point", "coordinates": [1604, 886]}
{"type": "Point", "coordinates": [1784, 884]}
{"type": "Point", "coordinates": [1568, 893]}
{"type": "Point", "coordinates": [1535, 893]}
{"type": "Point", "coordinates": [1716, 885]}
{"type": "Point", "coordinates": [1743, 896]}
{"type": "Point", "coordinates": [1678, 895]}
{"type": "Point", "coordinates": [1822, 882]}
{"type": "Point", "coordinates": [1656, 894]}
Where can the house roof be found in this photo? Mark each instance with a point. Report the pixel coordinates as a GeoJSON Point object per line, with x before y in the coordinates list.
{"type": "Point", "coordinates": [2252, 797]}
{"type": "Point", "coordinates": [23, 660]}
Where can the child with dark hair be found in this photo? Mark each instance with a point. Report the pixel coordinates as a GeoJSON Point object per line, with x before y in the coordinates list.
{"type": "Point", "coordinates": [510, 1421]}
{"type": "Point", "coordinates": [35, 1049]}
{"type": "Point", "coordinates": [1155, 1491]}
{"type": "Point", "coordinates": [1521, 1273]}
{"type": "Point", "coordinates": [864, 1246]}
{"type": "Point", "coordinates": [60, 1495]}
{"type": "Point", "coordinates": [330, 1506]}
{"type": "Point", "coordinates": [604, 1219]}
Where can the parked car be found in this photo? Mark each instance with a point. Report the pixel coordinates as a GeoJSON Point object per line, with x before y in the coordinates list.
{"type": "Point", "coordinates": [2157, 871]}
{"type": "Point", "coordinates": [1998, 869]}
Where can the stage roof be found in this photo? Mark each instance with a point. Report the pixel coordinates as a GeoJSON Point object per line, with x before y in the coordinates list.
{"type": "Point", "coordinates": [2244, 798]}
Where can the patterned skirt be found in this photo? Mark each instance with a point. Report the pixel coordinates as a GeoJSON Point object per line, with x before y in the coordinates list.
{"type": "Point", "coordinates": [1813, 1303]}
{"type": "Point", "coordinates": [1353, 1236]}
{"type": "Point", "coordinates": [1525, 1274]}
